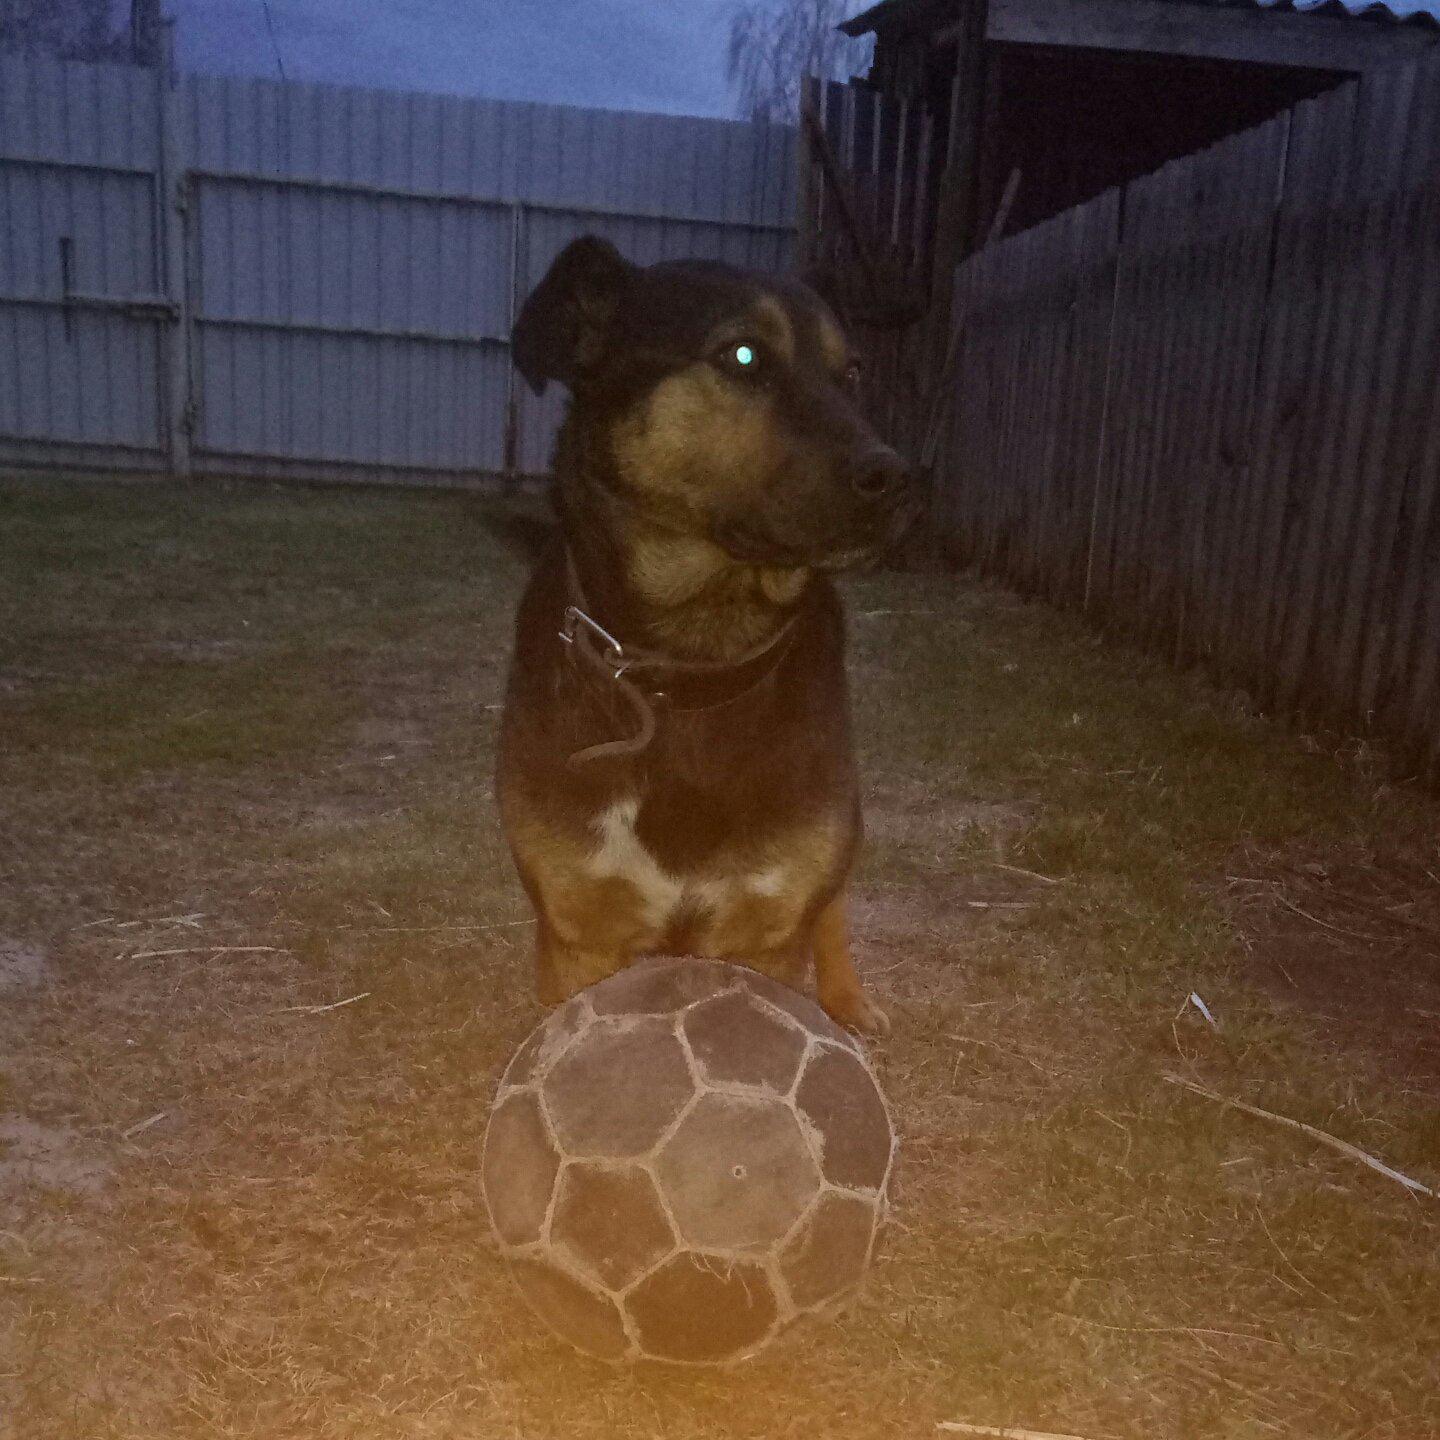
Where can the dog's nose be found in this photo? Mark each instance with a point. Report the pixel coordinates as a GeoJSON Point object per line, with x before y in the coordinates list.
{"type": "Point", "coordinates": [880, 473]}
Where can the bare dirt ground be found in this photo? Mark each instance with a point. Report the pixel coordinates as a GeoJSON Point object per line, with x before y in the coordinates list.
{"type": "Point", "coordinates": [1352, 941]}
{"type": "Point", "coordinates": [262, 957]}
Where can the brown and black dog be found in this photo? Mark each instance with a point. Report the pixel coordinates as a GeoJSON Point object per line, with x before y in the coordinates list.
{"type": "Point", "coordinates": [676, 771]}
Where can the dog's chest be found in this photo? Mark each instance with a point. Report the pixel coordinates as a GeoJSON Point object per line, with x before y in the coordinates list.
{"type": "Point", "coordinates": [687, 826]}
{"type": "Point", "coordinates": [682, 877]}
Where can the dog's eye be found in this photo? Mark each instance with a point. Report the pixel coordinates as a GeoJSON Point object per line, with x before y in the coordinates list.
{"type": "Point", "coordinates": [852, 378]}
{"type": "Point", "coordinates": [741, 358]}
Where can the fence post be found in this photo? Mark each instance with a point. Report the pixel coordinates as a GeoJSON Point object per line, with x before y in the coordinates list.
{"type": "Point", "coordinates": [518, 280]}
{"type": "Point", "coordinates": [804, 179]}
{"type": "Point", "coordinates": [1103, 431]}
{"type": "Point", "coordinates": [170, 182]}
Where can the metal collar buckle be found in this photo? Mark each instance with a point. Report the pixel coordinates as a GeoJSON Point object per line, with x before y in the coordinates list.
{"type": "Point", "coordinates": [613, 655]}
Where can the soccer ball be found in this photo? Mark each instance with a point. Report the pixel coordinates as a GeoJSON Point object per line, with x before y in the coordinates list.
{"type": "Point", "coordinates": [683, 1159]}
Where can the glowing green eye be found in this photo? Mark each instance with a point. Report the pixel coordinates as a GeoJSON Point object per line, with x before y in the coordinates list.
{"type": "Point", "coordinates": [741, 359]}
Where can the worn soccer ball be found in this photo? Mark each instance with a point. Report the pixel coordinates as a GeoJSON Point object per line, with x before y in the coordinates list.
{"type": "Point", "coordinates": [682, 1160]}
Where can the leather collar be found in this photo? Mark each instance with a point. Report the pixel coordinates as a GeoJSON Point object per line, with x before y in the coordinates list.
{"type": "Point", "coordinates": [645, 677]}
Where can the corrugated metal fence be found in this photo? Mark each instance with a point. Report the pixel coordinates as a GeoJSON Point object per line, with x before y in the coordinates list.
{"type": "Point", "coordinates": [1207, 409]}
{"type": "Point", "coordinates": [232, 276]}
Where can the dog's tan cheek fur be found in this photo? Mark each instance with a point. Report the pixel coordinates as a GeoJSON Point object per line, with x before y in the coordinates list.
{"type": "Point", "coordinates": [696, 436]}
{"type": "Point", "coordinates": [670, 571]}
{"type": "Point", "coordinates": [782, 587]}
{"type": "Point", "coordinates": [698, 447]}
{"type": "Point", "coordinates": [833, 345]}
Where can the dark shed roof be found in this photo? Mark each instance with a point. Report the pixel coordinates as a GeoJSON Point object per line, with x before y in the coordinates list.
{"type": "Point", "coordinates": [920, 14]}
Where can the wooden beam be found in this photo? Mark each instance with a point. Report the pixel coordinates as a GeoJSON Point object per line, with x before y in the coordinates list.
{"type": "Point", "coordinates": [840, 189]}
{"type": "Point", "coordinates": [955, 205]}
{"type": "Point", "coordinates": [1269, 37]}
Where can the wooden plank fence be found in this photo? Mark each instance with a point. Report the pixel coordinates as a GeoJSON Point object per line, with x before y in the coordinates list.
{"type": "Point", "coordinates": [866, 205]}
{"type": "Point", "coordinates": [1206, 408]}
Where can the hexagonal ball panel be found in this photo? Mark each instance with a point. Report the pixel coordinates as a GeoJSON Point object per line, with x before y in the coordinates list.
{"type": "Point", "coordinates": [617, 1087]}
{"type": "Point", "coordinates": [610, 1222]}
{"type": "Point", "coordinates": [589, 1320]}
{"type": "Point", "coordinates": [840, 1098]}
{"type": "Point", "coordinates": [658, 987]}
{"type": "Point", "coordinates": [519, 1168]}
{"type": "Point", "coordinates": [700, 1309]}
{"type": "Point", "coordinates": [801, 1007]}
{"type": "Point", "coordinates": [737, 1172]}
{"type": "Point", "coordinates": [828, 1255]}
{"type": "Point", "coordinates": [737, 1041]}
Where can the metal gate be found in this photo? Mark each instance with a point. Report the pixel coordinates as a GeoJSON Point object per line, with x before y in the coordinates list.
{"type": "Point", "coordinates": [339, 326]}
{"type": "Point", "coordinates": [84, 363]}
{"type": "Point", "coordinates": [244, 277]}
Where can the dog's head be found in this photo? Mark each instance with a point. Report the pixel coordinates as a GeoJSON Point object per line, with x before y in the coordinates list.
{"type": "Point", "coordinates": [726, 403]}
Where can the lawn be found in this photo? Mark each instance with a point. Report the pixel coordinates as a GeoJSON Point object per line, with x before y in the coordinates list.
{"type": "Point", "coordinates": [262, 957]}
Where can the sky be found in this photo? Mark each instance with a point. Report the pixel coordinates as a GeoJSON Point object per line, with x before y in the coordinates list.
{"type": "Point", "coordinates": [666, 55]}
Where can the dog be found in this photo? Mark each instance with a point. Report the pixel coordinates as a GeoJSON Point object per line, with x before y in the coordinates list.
{"type": "Point", "coordinates": [675, 769]}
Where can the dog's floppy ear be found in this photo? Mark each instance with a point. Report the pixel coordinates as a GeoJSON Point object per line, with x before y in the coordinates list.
{"type": "Point", "coordinates": [561, 328]}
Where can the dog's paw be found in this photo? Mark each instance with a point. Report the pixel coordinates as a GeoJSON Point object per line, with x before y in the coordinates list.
{"type": "Point", "coordinates": [855, 1010]}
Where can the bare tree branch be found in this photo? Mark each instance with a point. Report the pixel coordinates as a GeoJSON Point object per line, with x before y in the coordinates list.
{"type": "Point", "coordinates": [66, 29]}
{"type": "Point", "coordinates": [775, 43]}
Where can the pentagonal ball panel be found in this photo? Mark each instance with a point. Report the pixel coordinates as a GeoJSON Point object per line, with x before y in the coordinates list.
{"type": "Point", "coordinates": [839, 1097]}
{"type": "Point", "coordinates": [801, 1007]}
{"type": "Point", "coordinates": [587, 1318]}
{"type": "Point", "coordinates": [737, 1172]}
{"type": "Point", "coordinates": [545, 1042]}
{"type": "Point", "coordinates": [610, 1222]}
{"type": "Point", "coordinates": [829, 1254]}
{"type": "Point", "coordinates": [702, 1309]}
{"type": "Point", "coordinates": [736, 1041]}
{"type": "Point", "coordinates": [658, 987]}
{"type": "Point", "coordinates": [617, 1088]}
{"type": "Point", "coordinates": [519, 1168]}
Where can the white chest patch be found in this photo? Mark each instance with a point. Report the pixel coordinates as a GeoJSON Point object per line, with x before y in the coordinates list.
{"type": "Point", "coordinates": [717, 893]}
{"type": "Point", "coordinates": [770, 883]}
{"type": "Point", "coordinates": [620, 855]}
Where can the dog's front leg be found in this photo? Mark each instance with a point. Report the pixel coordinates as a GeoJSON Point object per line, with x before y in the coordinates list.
{"type": "Point", "coordinates": [593, 921]}
{"type": "Point", "coordinates": [600, 898]}
{"type": "Point", "coordinates": [838, 988]}
{"type": "Point", "coordinates": [591, 930]}
{"type": "Point", "coordinates": [563, 970]}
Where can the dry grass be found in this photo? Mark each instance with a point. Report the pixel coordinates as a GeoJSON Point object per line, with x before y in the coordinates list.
{"type": "Point", "coordinates": [246, 769]}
